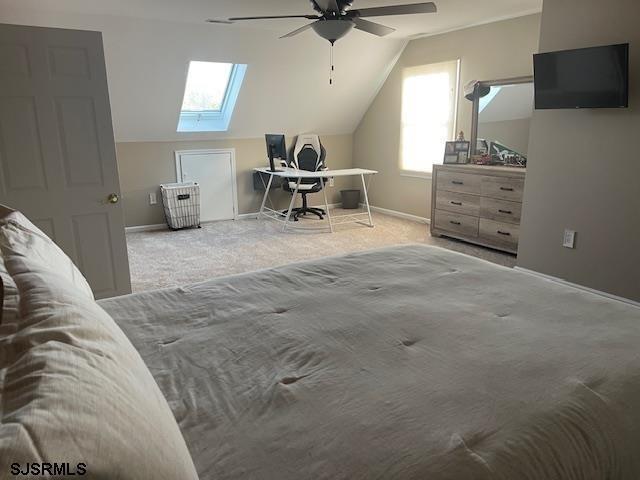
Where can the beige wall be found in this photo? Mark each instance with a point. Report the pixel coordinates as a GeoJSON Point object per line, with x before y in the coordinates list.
{"type": "Point", "coordinates": [584, 167]}
{"type": "Point", "coordinates": [145, 165]}
{"type": "Point", "coordinates": [498, 50]}
{"type": "Point", "coordinates": [511, 133]}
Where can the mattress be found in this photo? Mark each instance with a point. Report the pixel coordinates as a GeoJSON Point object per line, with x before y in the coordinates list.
{"type": "Point", "coordinates": [403, 363]}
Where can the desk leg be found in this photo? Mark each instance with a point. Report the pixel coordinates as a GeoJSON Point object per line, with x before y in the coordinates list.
{"type": "Point", "coordinates": [366, 199]}
{"type": "Point", "coordinates": [326, 204]}
{"type": "Point", "coordinates": [266, 194]}
{"type": "Point", "coordinates": [293, 200]}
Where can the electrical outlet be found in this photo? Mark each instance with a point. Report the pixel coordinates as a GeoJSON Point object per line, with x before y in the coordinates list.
{"type": "Point", "coordinates": [153, 199]}
{"type": "Point", "coordinates": [332, 182]}
{"type": "Point", "coordinates": [569, 239]}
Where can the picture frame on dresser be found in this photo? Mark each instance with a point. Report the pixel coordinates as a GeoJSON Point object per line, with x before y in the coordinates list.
{"type": "Point", "coordinates": [478, 204]}
{"type": "Point", "coordinates": [451, 159]}
{"type": "Point", "coordinates": [456, 152]}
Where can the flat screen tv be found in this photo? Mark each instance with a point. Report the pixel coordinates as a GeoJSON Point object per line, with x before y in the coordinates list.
{"type": "Point", "coordinates": [596, 77]}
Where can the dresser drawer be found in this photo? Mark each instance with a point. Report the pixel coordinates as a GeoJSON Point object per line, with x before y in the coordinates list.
{"type": "Point", "coordinates": [459, 182]}
{"type": "Point", "coordinates": [499, 233]}
{"type": "Point", "coordinates": [456, 223]}
{"type": "Point", "coordinates": [458, 203]}
{"type": "Point", "coordinates": [505, 188]}
{"type": "Point", "coordinates": [500, 210]}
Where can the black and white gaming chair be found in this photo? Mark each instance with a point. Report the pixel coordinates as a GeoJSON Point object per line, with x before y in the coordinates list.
{"type": "Point", "coordinates": [309, 155]}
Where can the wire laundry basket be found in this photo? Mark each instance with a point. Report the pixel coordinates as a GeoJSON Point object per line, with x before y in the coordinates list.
{"type": "Point", "coordinates": [181, 203]}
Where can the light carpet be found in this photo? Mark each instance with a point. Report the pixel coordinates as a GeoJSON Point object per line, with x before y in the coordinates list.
{"type": "Point", "coordinates": [160, 259]}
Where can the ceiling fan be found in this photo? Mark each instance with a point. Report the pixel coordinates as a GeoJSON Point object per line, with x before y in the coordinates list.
{"type": "Point", "coordinates": [335, 18]}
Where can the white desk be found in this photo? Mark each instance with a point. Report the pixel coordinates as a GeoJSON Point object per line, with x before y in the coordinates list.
{"type": "Point", "coordinates": [298, 175]}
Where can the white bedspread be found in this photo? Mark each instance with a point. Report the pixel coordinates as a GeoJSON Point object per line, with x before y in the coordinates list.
{"type": "Point", "coordinates": [402, 363]}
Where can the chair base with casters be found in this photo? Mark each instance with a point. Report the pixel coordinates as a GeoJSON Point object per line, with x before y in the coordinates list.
{"type": "Point", "coordinates": [304, 209]}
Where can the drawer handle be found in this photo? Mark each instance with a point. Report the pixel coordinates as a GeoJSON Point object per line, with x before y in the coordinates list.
{"type": "Point", "coordinates": [506, 189]}
{"type": "Point", "coordinates": [508, 212]}
{"type": "Point", "coordinates": [456, 203]}
{"type": "Point", "coordinates": [506, 234]}
{"type": "Point", "coordinates": [454, 222]}
{"type": "Point", "coordinates": [457, 182]}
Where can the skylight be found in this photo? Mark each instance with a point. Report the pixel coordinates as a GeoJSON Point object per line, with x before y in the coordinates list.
{"type": "Point", "coordinates": [206, 88]}
{"type": "Point", "coordinates": [210, 95]}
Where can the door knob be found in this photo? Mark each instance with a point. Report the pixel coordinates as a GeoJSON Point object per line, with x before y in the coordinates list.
{"type": "Point", "coordinates": [113, 198]}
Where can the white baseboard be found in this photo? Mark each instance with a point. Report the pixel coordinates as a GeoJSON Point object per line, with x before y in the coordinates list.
{"type": "Point", "coordinates": [331, 205]}
{"type": "Point", "coordinates": [244, 216]}
{"type": "Point", "coordinates": [164, 226]}
{"type": "Point", "coordinates": [146, 228]}
{"type": "Point", "coordinates": [580, 287]}
{"type": "Point", "coordinates": [395, 213]}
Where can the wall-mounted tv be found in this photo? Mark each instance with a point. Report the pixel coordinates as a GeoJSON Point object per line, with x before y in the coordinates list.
{"type": "Point", "coordinates": [596, 77]}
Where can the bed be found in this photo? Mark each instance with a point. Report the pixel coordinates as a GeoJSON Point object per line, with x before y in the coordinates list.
{"type": "Point", "coordinates": [406, 363]}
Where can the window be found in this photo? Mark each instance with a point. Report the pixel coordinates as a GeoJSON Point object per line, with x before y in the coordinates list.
{"type": "Point", "coordinates": [429, 104]}
{"type": "Point", "coordinates": [206, 88]}
{"type": "Point", "coordinates": [210, 96]}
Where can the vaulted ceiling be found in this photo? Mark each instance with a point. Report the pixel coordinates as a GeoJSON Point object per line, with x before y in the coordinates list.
{"type": "Point", "coordinates": [149, 43]}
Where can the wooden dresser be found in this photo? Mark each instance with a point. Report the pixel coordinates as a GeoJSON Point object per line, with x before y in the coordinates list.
{"type": "Point", "coordinates": [478, 204]}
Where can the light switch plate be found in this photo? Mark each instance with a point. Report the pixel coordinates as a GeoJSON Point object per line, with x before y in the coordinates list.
{"type": "Point", "coordinates": [152, 199]}
{"type": "Point", "coordinates": [332, 182]}
{"type": "Point", "coordinates": [569, 239]}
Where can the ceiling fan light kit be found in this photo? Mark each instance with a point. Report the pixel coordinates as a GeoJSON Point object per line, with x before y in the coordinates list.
{"type": "Point", "coordinates": [332, 30]}
{"type": "Point", "coordinates": [336, 18]}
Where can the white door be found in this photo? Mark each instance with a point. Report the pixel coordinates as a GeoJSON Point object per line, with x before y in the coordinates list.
{"type": "Point", "coordinates": [214, 171]}
{"type": "Point", "coordinates": [57, 151]}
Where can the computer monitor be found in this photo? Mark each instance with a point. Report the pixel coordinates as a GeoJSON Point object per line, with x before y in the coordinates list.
{"type": "Point", "coordinates": [276, 148]}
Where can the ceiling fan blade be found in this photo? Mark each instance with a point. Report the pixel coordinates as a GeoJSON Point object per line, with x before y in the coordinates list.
{"type": "Point", "coordinates": [412, 8]}
{"type": "Point", "coordinates": [327, 5]}
{"type": "Point", "coordinates": [371, 27]}
{"type": "Point", "coordinates": [297, 31]}
{"type": "Point", "coordinates": [215, 20]}
{"type": "Point", "coordinates": [309, 17]}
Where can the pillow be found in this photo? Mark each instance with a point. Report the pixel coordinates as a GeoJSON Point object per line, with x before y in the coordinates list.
{"type": "Point", "coordinates": [74, 392]}
{"type": "Point", "coordinates": [1, 296]}
{"type": "Point", "coordinates": [21, 237]}
{"type": "Point", "coordinates": [9, 301]}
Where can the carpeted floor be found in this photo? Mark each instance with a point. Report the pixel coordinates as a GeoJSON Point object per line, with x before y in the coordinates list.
{"type": "Point", "coordinates": [162, 259]}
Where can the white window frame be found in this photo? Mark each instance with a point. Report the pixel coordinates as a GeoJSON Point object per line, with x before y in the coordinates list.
{"type": "Point", "coordinates": [456, 96]}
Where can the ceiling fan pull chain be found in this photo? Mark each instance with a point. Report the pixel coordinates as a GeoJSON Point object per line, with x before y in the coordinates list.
{"type": "Point", "coordinates": [331, 65]}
